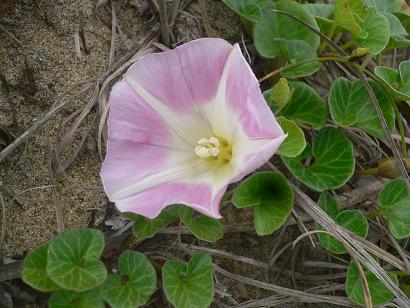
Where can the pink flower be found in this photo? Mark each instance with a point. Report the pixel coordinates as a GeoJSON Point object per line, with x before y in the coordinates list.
{"type": "Point", "coordinates": [184, 124]}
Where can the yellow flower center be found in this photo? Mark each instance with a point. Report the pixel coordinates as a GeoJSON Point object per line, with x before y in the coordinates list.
{"type": "Point", "coordinates": [217, 149]}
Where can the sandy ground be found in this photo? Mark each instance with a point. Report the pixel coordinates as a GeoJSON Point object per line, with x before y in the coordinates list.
{"type": "Point", "coordinates": [41, 63]}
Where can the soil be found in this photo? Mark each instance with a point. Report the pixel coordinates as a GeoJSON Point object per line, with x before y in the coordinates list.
{"type": "Point", "coordinates": [38, 62]}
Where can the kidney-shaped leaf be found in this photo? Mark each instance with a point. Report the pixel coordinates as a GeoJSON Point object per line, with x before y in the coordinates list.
{"type": "Point", "coordinates": [394, 201]}
{"type": "Point", "coordinates": [134, 284]}
{"type": "Point", "coordinates": [70, 299]}
{"type": "Point", "coordinates": [34, 270]}
{"type": "Point", "coordinates": [189, 285]}
{"type": "Point", "coordinates": [397, 81]}
{"type": "Point", "coordinates": [333, 161]}
{"type": "Point", "coordinates": [203, 227]}
{"type": "Point", "coordinates": [278, 96]}
{"type": "Point", "coordinates": [345, 12]}
{"type": "Point", "coordinates": [250, 9]}
{"type": "Point", "coordinates": [319, 9]}
{"type": "Point", "coordinates": [144, 228]}
{"type": "Point", "coordinates": [295, 142]}
{"type": "Point", "coordinates": [390, 6]}
{"type": "Point", "coordinates": [351, 220]}
{"type": "Point", "coordinates": [270, 195]}
{"type": "Point", "coordinates": [375, 31]}
{"type": "Point", "coordinates": [73, 259]}
{"type": "Point", "coordinates": [378, 291]}
{"type": "Point", "coordinates": [350, 105]}
{"type": "Point", "coordinates": [305, 106]}
{"type": "Point", "coordinates": [273, 26]}
{"type": "Point", "coordinates": [295, 51]}
{"type": "Point", "coordinates": [328, 204]}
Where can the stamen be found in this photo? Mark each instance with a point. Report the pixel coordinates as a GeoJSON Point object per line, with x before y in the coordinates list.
{"type": "Point", "coordinates": [208, 147]}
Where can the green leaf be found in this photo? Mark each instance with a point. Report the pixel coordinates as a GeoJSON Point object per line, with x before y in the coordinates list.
{"type": "Point", "coordinates": [144, 228]}
{"type": "Point", "coordinates": [397, 32]}
{"type": "Point", "coordinates": [189, 285]}
{"type": "Point", "coordinates": [375, 33]}
{"type": "Point", "coordinates": [134, 285]}
{"type": "Point", "coordinates": [351, 220]}
{"type": "Point", "coordinates": [392, 193]}
{"type": "Point", "coordinates": [389, 6]}
{"type": "Point", "coordinates": [390, 75]}
{"type": "Point", "coordinates": [73, 259]}
{"type": "Point", "coordinates": [397, 81]}
{"type": "Point", "coordinates": [319, 9]}
{"type": "Point", "coordinates": [404, 18]}
{"type": "Point", "coordinates": [295, 51]}
{"type": "Point", "coordinates": [398, 42]}
{"type": "Point", "coordinates": [394, 201]}
{"type": "Point", "coordinates": [270, 195]}
{"type": "Point", "coordinates": [396, 28]}
{"type": "Point", "coordinates": [350, 105]}
{"type": "Point", "coordinates": [345, 12]}
{"type": "Point", "coordinates": [404, 69]}
{"type": "Point", "coordinates": [70, 299]}
{"type": "Point", "coordinates": [333, 163]}
{"type": "Point", "coordinates": [380, 294]}
{"type": "Point", "coordinates": [305, 106]}
{"type": "Point", "coordinates": [203, 227]}
{"type": "Point", "coordinates": [273, 26]}
{"type": "Point", "coordinates": [250, 9]}
{"type": "Point", "coordinates": [279, 95]}
{"type": "Point", "coordinates": [295, 142]}
{"type": "Point", "coordinates": [34, 270]}
{"type": "Point", "coordinates": [328, 204]}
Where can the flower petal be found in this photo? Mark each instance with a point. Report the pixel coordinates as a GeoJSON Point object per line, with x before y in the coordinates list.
{"type": "Point", "coordinates": [130, 118]}
{"type": "Point", "coordinates": [150, 202]}
{"type": "Point", "coordinates": [239, 100]}
{"type": "Point", "coordinates": [184, 77]}
{"type": "Point", "coordinates": [252, 154]}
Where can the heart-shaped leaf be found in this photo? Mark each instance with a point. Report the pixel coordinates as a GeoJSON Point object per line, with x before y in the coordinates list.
{"type": "Point", "coordinates": [73, 259]}
{"type": "Point", "coordinates": [394, 201]}
{"type": "Point", "coordinates": [305, 106]}
{"type": "Point", "coordinates": [350, 105]}
{"type": "Point", "coordinates": [295, 142]}
{"type": "Point", "coordinates": [346, 13]}
{"type": "Point", "coordinates": [189, 285]}
{"type": "Point", "coordinates": [397, 80]}
{"type": "Point", "coordinates": [144, 228]}
{"type": "Point", "coordinates": [34, 270]}
{"type": "Point", "coordinates": [333, 163]}
{"type": "Point", "coordinates": [351, 220]}
{"type": "Point", "coordinates": [404, 18]}
{"type": "Point", "coordinates": [396, 28]}
{"type": "Point", "coordinates": [278, 96]}
{"type": "Point", "coordinates": [295, 51]}
{"type": "Point", "coordinates": [270, 195]}
{"type": "Point", "coordinates": [134, 284]}
{"type": "Point", "coordinates": [379, 293]}
{"type": "Point", "coordinates": [203, 227]}
{"type": "Point", "coordinates": [389, 6]}
{"type": "Point", "coordinates": [70, 299]}
{"type": "Point", "coordinates": [375, 31]}
{"type": "Point", "coordinates": [319, 9]}
{"type": "Point", "coordinates": [250, 9]}
{"type": "Point", "coordinates": [328, 204]}
{"type": "Point", "coordinates": [273, 26]}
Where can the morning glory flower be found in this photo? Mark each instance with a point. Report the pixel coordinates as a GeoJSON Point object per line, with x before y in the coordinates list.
{"type": "Point", "coordinates": [183, 124]}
